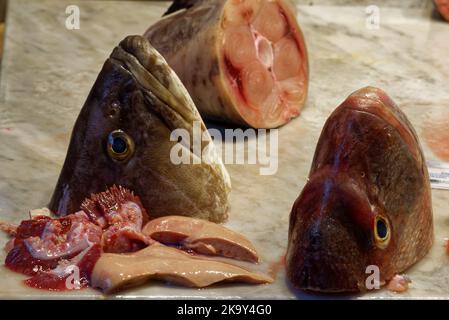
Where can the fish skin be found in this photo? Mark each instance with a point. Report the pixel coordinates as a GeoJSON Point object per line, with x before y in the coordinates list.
{"type": "Point", "coordinates": [138, 93]}
{"type": "Point", "coordinates": [368, 161]}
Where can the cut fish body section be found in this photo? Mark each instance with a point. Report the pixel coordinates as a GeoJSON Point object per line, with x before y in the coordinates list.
{"type": "Point", "coordinates": [201, 236]}
{"type": "Point", "coordinates": [117, 271]}
{"type": "Point", "coordinates": [233, 56]}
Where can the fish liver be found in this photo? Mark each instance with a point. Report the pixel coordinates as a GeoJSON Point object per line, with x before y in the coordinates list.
{"type": "Point", "coordinates": [201, 236]}
{"type": "Point", "coordinates": [367, 200]}
{"type": "Point", "coordinates": [118, 271]}
{"type": "Point", "coordinates": [243, 62]}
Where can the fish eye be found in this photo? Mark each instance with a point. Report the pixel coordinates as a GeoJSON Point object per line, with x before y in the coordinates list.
{"type": "Point", "coordinates": [120, 145]}
{"type": "Point", "coordinates": [381, 231]}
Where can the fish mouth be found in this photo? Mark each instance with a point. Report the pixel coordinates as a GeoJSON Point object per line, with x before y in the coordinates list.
{"type": "Point", "coordinates": [325, 272]}
{"type": "Point", "coordinates": [327, 240]}
{"type": "Point", "coordinates": [161, 87]}
{"type": "Point", "coordinates": [319, 263]}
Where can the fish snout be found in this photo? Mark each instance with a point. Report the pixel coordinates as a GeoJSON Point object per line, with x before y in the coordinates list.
{"type": "Point", "coordinates": [325, 258]}
{"type": "Point", "coordinates": [328, 247]}
{"type": "Point", "coordinates": [137, 46]}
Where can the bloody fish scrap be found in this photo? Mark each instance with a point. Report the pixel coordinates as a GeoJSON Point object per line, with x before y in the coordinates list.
{"type": "Point", "coordinates": [243, 62]}
{"type": "Point", "coordinates": [44, 247]}
{"type": "Point", "coordinates": [367, 200]}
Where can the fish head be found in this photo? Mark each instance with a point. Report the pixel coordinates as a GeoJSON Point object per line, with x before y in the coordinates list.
{"type": "Point", "coordinates": [122, 136]}
{"type": "Point", "coordinates": [365, 213]}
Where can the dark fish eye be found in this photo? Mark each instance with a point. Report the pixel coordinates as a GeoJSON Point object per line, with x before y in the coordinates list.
{"type": "Point", "coordinates": [120, 145]}
{"type": "Point", "coordinates": [381, 231]}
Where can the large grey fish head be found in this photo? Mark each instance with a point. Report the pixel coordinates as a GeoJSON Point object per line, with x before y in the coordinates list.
{"type": "Point", "coordinates": [122, 136]}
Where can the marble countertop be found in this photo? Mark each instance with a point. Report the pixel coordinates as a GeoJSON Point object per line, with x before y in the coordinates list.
{"type": "Point", "coordinates": [47, 72]}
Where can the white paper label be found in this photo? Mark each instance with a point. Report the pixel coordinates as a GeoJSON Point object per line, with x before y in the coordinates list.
{"type": "Point", "coordinates": [439, 174]}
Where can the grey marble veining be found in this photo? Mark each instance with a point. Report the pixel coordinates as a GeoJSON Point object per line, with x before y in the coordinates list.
{"type": "Point", "coordinates": [47, 72]}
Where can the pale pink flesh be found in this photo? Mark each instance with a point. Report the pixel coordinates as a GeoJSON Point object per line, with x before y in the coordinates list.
{"type": "Point", "coordinates": [262, 53]}
{"type": "Point", "coordinates": [117, 271]}
{"type": "Point", "coordinates": [53, 245]}
{"type": "Point", "coordinates": [270, 22]}
{"type": "Point", "coordinates": [257, 82]}
{"type": "Point", "coordinates": [240, 46]}
{"type": "Point", "coordinates": [201, 236]}
{"type": "Point", "coordinates": [286, 65]}
{"type": "Point", "coordinates": [399, 283]}
{"type": "Point", "coordinates": [8, 228]}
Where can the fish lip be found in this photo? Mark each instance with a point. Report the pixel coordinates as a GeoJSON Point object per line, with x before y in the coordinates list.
{"type": "Point", "coordinates": [317, 273]}
{"type": "Point", "coordinates": [325, 254]}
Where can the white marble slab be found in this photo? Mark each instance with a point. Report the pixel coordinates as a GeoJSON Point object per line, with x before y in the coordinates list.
{"type": "Point", "coordinates": [47, 72]}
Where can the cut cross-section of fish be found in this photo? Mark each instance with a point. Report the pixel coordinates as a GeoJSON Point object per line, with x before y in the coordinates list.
{"type": "Point", "coordinates": [234, 56]}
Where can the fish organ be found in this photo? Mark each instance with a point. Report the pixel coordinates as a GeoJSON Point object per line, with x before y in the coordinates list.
{"type": "Point", "coordinates": [243, 62]}
{"type": "Point", "coordinates": [201, 236]}
{"type": "Point", "coordinates": [367, 201]}
{"type": "Point", "coordinates": [118, 271]}
{"type": "Point", "coordinates": [46, 248]}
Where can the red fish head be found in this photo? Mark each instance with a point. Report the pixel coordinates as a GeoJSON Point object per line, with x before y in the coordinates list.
{"type": "Point", "coordinates": [365, 214]}
{"type": "Point", "coordinates": [335, 234]}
